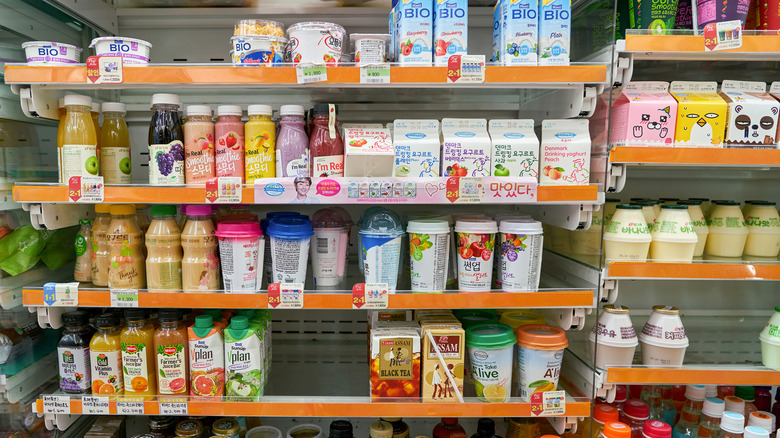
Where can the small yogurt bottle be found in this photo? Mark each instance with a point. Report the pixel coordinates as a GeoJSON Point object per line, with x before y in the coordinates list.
{"type": "Point", "coordinates": [699, 224]}
{"type": "Point", "coordinates": [627, 236]}
{"type": "Point", "coordinates": [613, 339]}
{"type": "Point", "coordinates": [728, 230]}
{"type": "Point", "coordinates": [674, 238]}
{"type": "Point", "coordinates": [763, 225]}
{"type": "Point", "coordinates": [648, 211]}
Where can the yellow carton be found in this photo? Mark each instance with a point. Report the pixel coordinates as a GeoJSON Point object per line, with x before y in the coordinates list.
{"type": "Point", "coordinates": [701, 114]}
{"type": "Point", "coordinates": [436, 385]}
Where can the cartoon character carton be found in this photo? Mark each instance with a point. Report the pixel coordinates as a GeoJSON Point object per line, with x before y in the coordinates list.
{"type": "Point", "coordinates": [417, 148]}
{"type": "Point", "coordinates": [414, 32]}
{"type": "Point", "coordinates": [515, 149]}
{"type": "Point", "coordinates": [565, 152]}
{"type": "Point", "coordinates": [701, 114]}
{"type": "Point", "coordinates": [450, 29]}
{"type": "Point", "coordinates": [774, 91]}
{"type": "Point", "coordinates": [643, 115]}
{"type": "Point", "coordinates": [554, 32]}
{"type": "Point", "coordinates": [466, 148]}
{"type": "Point", "coordinates": [752, 115]}
{"type": "Point", "coordinates": [519, 32]}
{"type": "Point", "coordinates": [368, 152]}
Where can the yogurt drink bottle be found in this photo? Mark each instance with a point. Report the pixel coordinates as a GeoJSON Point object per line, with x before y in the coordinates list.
{"type": "Point", "coordinates": [699, 224]}
{"type": "Point", "coordinates": [539, 355]}
{"type": "Point", "coordinates": [240, 254]}
{"type": "Point", "coordinates": [627, 236]}
{"type": "Point", "coordinates": [429, 254]}
{"type": "Point", "coordinates": [292, 144]}
{"type": "Point", "coordinates": [82, 270]}
{"type": "Point", "coordinates": [100, 250]}
{"type": "Point", "coordinates": [763, 225]}
{"type": "Point", "coordinates": [164, 252]}
{"type": "Point", "coordinates": [521, 254]}
{"type": "Point", "coordinates": [125, 242]}
{"type": "Point", "coordinates": [199, 144]}
{"type": "Point", "coordinates": [381, 240]}
{"type": "Point", "coordinates": [229, 132]}
{"type": "Point", "coordinates": [200, 265]}
{"type": "Point", "coordinates": [260, 148]}
{"type": "Point", "coordinates": [476, 244]}
{"type": "Point", "coordinates": [674, 238]}
{"type": "Point", "coordinates": [728, 230]}
{"type": "Point", "coordinates": [490, 348]}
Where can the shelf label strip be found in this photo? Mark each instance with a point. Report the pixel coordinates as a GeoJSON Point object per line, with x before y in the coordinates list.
{"type": "Point", "coordinates": [86, 189]}
{"type": "Point", "coordinates": [285, 296]}
{"type": "Point", "coordinates": [548, 403]}
{"type": "Point", "coordinates": [56, 404]}
{"type": "Point", "coordinates": [61, 294]}
{"type": "Point", "coordinates": [173, 406]}
{"type": "Point", "coordinates": [94, 405]}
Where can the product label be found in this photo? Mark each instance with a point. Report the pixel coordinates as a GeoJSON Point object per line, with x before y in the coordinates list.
{"type": "Point", "coordinates": [94, 406]}
{"type": "Point", "coordinates": [328, 250]}
{"type": "Point", "coordinates": [395, 359]}
{"type": "Point", "coordinates": [381, 259]}
{"type": "Point", "coordinates": [166, 163]}
{"type": "Point", "coordinates": [288, 260]}
{"type": "Point", "coordinates": [294, 168]}
{"type": "Point", "coordinates": [199, 159]}
{"type": "Point", "coordinates": [521, 261]}
{"type": "Point", "coordinates": [82, 271]}
{"type": "Point", "coordinates": [75, 370]}
{"type": "Point", "coordinates": [127, 262]}
{"type": "Point", "coordinates": [56, 404]}
{"type": "Point", "coordinates": [88, 189]}
{"type": "Point", "coordinates": [162, 274]}
{"type": "Point", "coordinates": [554, 32]}
{"type": "Point", "coordinates": [492, 373]}
{"type": "Point", "coordinates": [244, 368]}
{"type": "Point", "coordinates": [207, 365]}
{"type": "Point", "coordinates": [115, 165]}
{"type": "Point", "coordinates": [429, 257]}
{"type": "Point", "coordinates": [239, 263]}
{"type": "Point", "coordinates": [260, 156]}
{"type": "Point", "coordinates": [230, 155]}
{"type": "Point", "coordinates": [171, 369]}
{"type": "Point", "coordinates": [539, 370]}
{"type": "Point", "coordinates": [285, 295]}
{"type": "Point", "coordinates": [106, 372]}
{"type": "Point", "coordinates": [370, 296]}
{"type": "Point", "coordinates": [135, 367]}
{"type": "Point", "coordinates": [78, 160]}
{"type": "Point", "coordinates": [330, 165]}
{"type": "Point", "coordinates": [475, 261]}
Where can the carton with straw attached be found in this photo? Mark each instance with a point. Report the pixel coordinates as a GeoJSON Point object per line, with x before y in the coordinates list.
{"type": "Point", "coordinates": [443, 364]}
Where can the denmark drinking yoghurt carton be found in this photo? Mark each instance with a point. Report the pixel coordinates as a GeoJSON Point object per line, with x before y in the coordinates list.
{"type": "Point", "coordinates": [701, 114]}
{"type": "Point", "coordinates": [751, 114]}
{"type": "Point", "coordinates": [414, 27]}
{"type": "Point", "coordinates": [515, 150]}
{"type": "Point", "coordinates": [417, 148]}
{"type": "Point", "coordinates": [554, 32]}
{"type": "Point", "coordinates": [643, 115]}
{"type": "Point", "coordinates": [520, 32]}
{"type": "Point", "coordinates": [450, 29]}
{"type": "Point", "coordinates": [466, 147]}
{"type": "Point", "coordinates": [565, 152]}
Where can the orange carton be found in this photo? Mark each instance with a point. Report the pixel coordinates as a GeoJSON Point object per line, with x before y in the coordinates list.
{"type": "Point", "coordinates": [436, 384]}
{"type": "Point", "coordinates": [395, 363]}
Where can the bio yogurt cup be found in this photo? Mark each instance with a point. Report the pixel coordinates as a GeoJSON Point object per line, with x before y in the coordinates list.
{"type": "Point", "coordinates": [257, 49]}
{"type": "Point", "coordinates": [131, 50]}
{"type": "Point", "coordinates": [369, 48]}
{"type": "Point", "coordinates": [51, 53]}
{"type": "Point", "coordinates": [381, 236]}
{"type": "Point", "coordinates": [521, 255]}
{"type": "Point", "coordinates": [429, 254]}
{"type": "Point", "coordinates": [674, 238]}
{"type": "Point", "coordinates": [328, 248]}
{"type": "Point", "coordinates": [490, 348]}
{"type": "Point", "coordinates": [613, 339]}
{"type": "Point", "coordinates": [316, 43]}
{"type": "Point", "coordinates": [627, 236]}
{"type": "Point", "coordinates": [290, 239]}
{"type": "Point", "coordinates": [539, 356]}
{"type": "Point", "coordinates": [476, 244]}
{"type": "Point", "coordinates": [240, 254]}
{"type": "Point", "coordinates": [663, 338]}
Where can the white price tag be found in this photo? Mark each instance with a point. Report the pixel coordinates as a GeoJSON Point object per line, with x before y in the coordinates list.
{"type": "Point", "coordinates": [124, 298]}
{"type": "Point", "coordinates": [56, 404]}
{"type": "Point", "coordinates": [61, 294]}
{"type": "Point", "coordinates": [310, 73]}
{"type": "Point", "coordinates": [94, 405]}
{"type": "Point", "coordinates": [86, 189]}
{"type": "Point", "coordinates": [285, 296]}
{"type": "Point", "coordinates": [466, 69]}
{"type": "Point", "coordinates": [375, 74]}
{"type": "Point", "coordinates": [129, 407]}
{"type": "Point", "coordinates": [722, 36]}
{"type": "Point", "coordinates": [376, 296]}
{"type": "Point", "coordinates": [173, 406]}
{"type": "Point", "coordinates": [224, 190]}
{"type": "Point", "coordinates": [104, 70]}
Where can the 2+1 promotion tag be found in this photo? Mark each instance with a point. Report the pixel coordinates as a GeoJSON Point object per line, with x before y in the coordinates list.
{"type": "Point", "coordinates": [285, 296]}
{"type": "Point", "coordinates": [370, 296]}
{"type": "Point", "coordinates": [86, 189]}
{"type": "Point", "coordinates": [724, 35]}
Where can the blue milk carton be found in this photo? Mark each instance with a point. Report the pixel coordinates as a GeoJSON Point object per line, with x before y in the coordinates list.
{"type": "Point", "coordinates": [414, 21]}
{"type": "Point", "coordinates": [496, 56]}
{"type": "Point", "coordinates": [520, 36]}
{"type": "Point", "coordinates": [450, 29]}
{"type": "Point", "coordinates": [554, 32]}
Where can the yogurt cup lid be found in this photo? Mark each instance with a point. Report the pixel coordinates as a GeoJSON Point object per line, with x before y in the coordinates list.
{"type": "Point", "coordinates": [473, 317]}
{"type": "Point", "coordinates": [344, 215]}
{"type": "Point", "coordinates": [490, 336]}
{"type": "Point", "coordinates": [517, 318]}
{"type": "Point", "coordinates": [263, 432]}
{"type": "Point", "coordinates": [541, 337]}
{"type": "Point", "coordinates": [369, 36]}
{"type": "Point", "coordinates": [384, 224]}
{"type": "Point", "coordinates": [48, 43]}
{"type": "Point", "coordinates": [290, 227]}
{"type": "Point", "coordinates": [516, 226]}
{"type": "Point", "coordinates": [238, 229]}
{"type": "Point", "coordinates": [327, 218]}
{"type": "Point", "coordinates": [273, 38]}
{"type": "Point", "coordinates": [306, 25]}
{"type": "Point", "coordinates": [486, 226]}
{"type": "Point", "coordinates": [428, 226]}
{"type": "Point", "coordinates": [115, 38]}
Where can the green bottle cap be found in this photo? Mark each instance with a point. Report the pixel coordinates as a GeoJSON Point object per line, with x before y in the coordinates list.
{"type": "Point", "coordinates": [163, 210]}
{"type": "Point", "coordinates": [747, 393]}
{"type": "Point", "coordinates": [239, 323]}
{"type": "Point", "coordinates": [490, 336]}
{"type": "Point", "coordinates": [204, 321]}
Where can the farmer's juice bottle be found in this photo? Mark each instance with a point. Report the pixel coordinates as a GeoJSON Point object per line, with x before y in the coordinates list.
{"type": "Point", "coordinates": [138, 358]}
{"type": "Point", "coordinates": [171, 346]}
{"type": "Point", "coordinates": [166, 142]}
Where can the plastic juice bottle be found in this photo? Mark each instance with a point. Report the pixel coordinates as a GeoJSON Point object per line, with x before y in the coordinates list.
{"type": "Point", "coordinates": [100, 250]}
{"type": "Point", "coordinates": [731, 425]}
{"type": "Point", "coordinates": [763, 400]}
{"type": "Point", "coordinates": [78, 153]}
{"type": "Point", "coordinates": [163, 243]}
{"type": "Point", "coordinates": [125, 242]}
{"type": "Point", "coordinates": [94, 113]}
{"type": "Point", "coordinates": [776, 405]}
{"type": "Point", "coordinates": [73, 354]}
{"type": "Point", "coordinates": [141, 217]}
{"type": "Point", "coordinates": [115, 165]}
{"type": "Point", "coordinates": [200, 265]}
{"type": "Point", "coordinates": [198, 144]}
{"type": "Point", "coordinates": [166, 142]}
{"type": "Point", "coordinates": [105, 356]}
{"type": "Point", "coordinates": [230, 141]}
{"type": "Point", "coordinates": [711, 413]}
{"type": "Point", "coordinates": [61, 125]}
{"type": "Point", "coordinates": [292, 144]}
{"type": "Point", "coordinates": [602, 414]}
{"type": "Point", "coordinates": [635, 413]}
{"type": "Point", "coordinates": [668, 410]}
{"type": "Point", "coordinates": [207, 359]}
{"type": "Point", "coordinates": [138, 355]}
{"type": "Point", "coordinates": [747, 393]}
{"type": "Point", "coordinates": [260, 153]}
{"type": "Point", "coordinates": [82, 270]}
{"type": "Point", "coordinates": [170, 344]}
{"type": "Point", "coordinates": [243, 361]}
{"type": "Point", "coordinates": [449, 428]}
{"type": "Point", "coordinates": [688, 425]}
{"type": "Point", "coordinates": [325, 144]}
{"type": "Point", "coordinates": [486, 428]}
{"type": "Point", "coordinates": [651, 394]}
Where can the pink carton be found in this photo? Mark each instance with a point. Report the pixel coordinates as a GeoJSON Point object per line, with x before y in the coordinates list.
{"type": "Point", "coordinates": [752, 115]}
{"type": "Point", "coordinates": [643, 115]}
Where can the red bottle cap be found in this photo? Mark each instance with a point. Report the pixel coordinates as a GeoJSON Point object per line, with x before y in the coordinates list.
{"type": "Point", "coordinates": [637, 409]}
{"type": "Point", "coordinates": [605, 413]}
{"type": "Point", "coordinates": [656, 429]}
{"type": "Point", "coordinates": [621, 394]}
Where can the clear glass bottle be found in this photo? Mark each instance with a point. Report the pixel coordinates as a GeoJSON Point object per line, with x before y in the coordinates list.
{"type": "Point", "coordinates": [82, 270]}
{"type": "Point", "coordinates": [166, 142]}
{"type": "Point", "coordinates": [651, 394]}
{"type": "Point", "coordinates": [747, 393]}
{"type": "Point", "coordinates": [688, 425]}
{"type": "Point", "coordinates": [711, 413]}
{"type": "Point", "coordinates": [668, 409]}
{"type": "Point", "coordinates": [635, 413]}
{"type": "Point", "coordinates": [114, 145]}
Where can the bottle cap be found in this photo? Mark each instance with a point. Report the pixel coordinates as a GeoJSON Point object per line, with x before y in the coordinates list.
{"type": "Point", "coordinates": [694, 392]}
{"type": "Point", "coordinates": [163, 210]}
{"type": "Point", "coordinates": [340, 429]}
{"type": "Point", "coordinates": [616, 429]}
{"type": "Point", "coordinates": [169, 315]}
{"type": "Point", "coordinates": [541, 337]}
{"type": "Point", "coordinates": [259, 110]}
{"type": "Point", "coordinates": [76, 317]}
{"type": "Point", "coordinates": [105, 320]}
{"type": "Point", "coordinates": [732, 422]}
{"type": "Point", "coordinates": [102, 208]}
{"type": "Point", "coordinates": [77, 99]}
{"type": "Point", "coordinates": [204, 321]}
{"type": "Point", "coordinates": [136, 314]}
{"type": "Point", "coordinates": [381, 429]}
{"type": "Point", "coordinates": [656, 429]}
{"type": "Point", "coordinates": [449, 421]}
{"type": "Point", "coordinates": [165, 99]}
{"type": "Point", "coordinates": [637, 409]}
{"type": "Point", "coordinates": [490, 336]}
{"type": "Point", "coordinates": [761, 419]}
{"type": "Point", "coordinates": [216, 314]}
{"type": "Point", "coordinates": [114, 107]}
{"type": "Point", "coordinates": [713, 407]}
{"type": "Point", "coordinates": [198, 110]}
{"type": "Point", "coordinates": [239, 322]}
{"type": "Point", "coordinates": [621, 394]}
{"type": "Point", "coordinates": [604, 413]}
{"type": "Point", "coordinates": [747, 393]}
{"type": "Point", "coordinates": [229, 110]}
{"type": "Point", "coordinates": [289, 227]}
{"type": "Point", "coordinates": [118, 209]}
{"type": "Point", "coordinates": [755, 432]}
{"type": "Point", "coordinates": [712, 391]}
{"type": "Point", "coordinates": [322, 109]}
{"type": "Point", "coordinates": [248, 313]}
{"type": "Point", "coordinates": [291, 110]}
{"type": "Point", "coordinates": [95, 107]}
{"type": "Point", "coordinates": [198, 210]}
{"type": "Point", "coordinates": [486, 427]}
{"type": "Point", "coordinates": [735, 404]}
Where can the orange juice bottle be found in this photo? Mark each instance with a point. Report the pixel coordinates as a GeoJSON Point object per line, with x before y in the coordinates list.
{"type": "Point", "coordinates": [260, 139]}
{"type": "Point", "coordinates": [106, 357]}
{"type": "Point", "coordinates": [114, 145]}
{"type": "Point", "coordinates": [77, 154]}
{"type": "Point", "coordinates": [138, 356]}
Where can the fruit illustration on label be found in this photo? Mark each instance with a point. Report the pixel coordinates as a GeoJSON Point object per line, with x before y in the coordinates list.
{"type": "Point", "coordinates": [358, 143]}
{"type": "Point", "coordinates": [91, 165]}
{"type": "Point", "coordinates": [330, 61]}
{"type": "Point", "coordinates": [658, 27]}
{"type": "Point", "coordinates": [542, 386]}
{"type": "Point", "coordinates": [457, 170]}
{"type": "Point", "coordinates": [441, 47]}
{"type": "Point", "coordinates": [406, 48]}
{"type": "Point", "coordinates": [556, 173]}
{"type": "Point", "coordinates": [124, 165]}
{"type": "Point", "coordinates": [205, 385]}
{"type": "Point", "coordinates": [501, 171]}
{"type": "Point", "coordinates": [418, 244]}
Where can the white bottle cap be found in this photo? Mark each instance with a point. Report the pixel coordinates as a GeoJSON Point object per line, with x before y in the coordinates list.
{"type": "Point", "coordinates": [61, 102]}
{"type": "Point", "coordinates": [165, 99]}
{"type": "Point", "coordinates": [735, 404]}
{"type": "Point", "coordinates": [755, 432]}
{"type": "Point", "coordinates": [114, 107]}
{"type": "Point", "coordinates": [95, 107]}
{"type": "Point", "coordinates": [198, 110]}
{"type": "Point", "coordinates": [291, 110]}
{"type": "Point", "coordinates": [712, 391]}
{"type": "Point", "coordinates": [76, 99]}
{"type": "Point", "coordinates": [732, 422]}
{"type": "Point", "coordinates": [695, 392]}
{"type": "Point", "coordinates": [713, 407]}
{"type": "Point", "coordinates": [520, 226]}
{"type": "Point", "coordinates": [229, 110]}
{"type": "Point", "coordinates": [761, 419]}
{"type": "Point", "coordinates": [259, 110]}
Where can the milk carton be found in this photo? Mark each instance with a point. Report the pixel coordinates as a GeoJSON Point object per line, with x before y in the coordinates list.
{"type": "Point", "coordinates": [565, 152]}
{"type": "Point", "coordinates": [519, 32]}
{"type": "Point", "coordinates": [414, 23]}
{"type": "Point", "coordinates": [554, 32]}
{"type": "Point", "coordinates": [392, 31]}
{"type": "Point", "coordinates": [515, 150]}
{"type": "Point", "coordinates": [751, 114]}
{"type": "Point", "coordinates": [497, 31]}
{"type": "Point", "coordinates": [344, 127]}
{"type": "Point", "coordinates": [450, 29]}
{"type": "Point", "coordinates": [701, 114]}
{"type": "Point", "coordinates": [368, 152]}
{"type": "Point", "coordinates": [643, 115]}
{"type": "Point", "coordinates": [417, 148]}
{"type": "Point", "coordinates": [466, 147]}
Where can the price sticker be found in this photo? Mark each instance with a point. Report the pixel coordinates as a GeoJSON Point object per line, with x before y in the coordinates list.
{"type": "Point", "coordinates": [370, 296]}
{"type": "Point", "coordinates": [94, 405]}
{"type": "Point", "coordinates": [375, 74]}
{"type": "Point", "coordinates": [86, 189]}
{"type": "Point", "coordinates": [56, 404]}
{"type": "Point", "coordinates": [465, 190]}
{"type": "Point", "coordinates": [173, 406]}
{"type": "Point", "coordinates": [310, 73]}
{"type": "Point", "coordinates": [124, 407]}
{"type": "Point", "coordinates": [104, 70]}
{"type": "Point", "coordinates": [285, 296]}
{"type": "Point", "coordinates": [725, 35]}
{"type": "Point", "coordinates": [61, 294]}
{"type": "Point", "coordinates": [466, 69]}
{"type": "Point", "coordinates": [124, 298]}
{"type": "Point", "coordinates": [548, 403]}
{"type": "Point", "coordinates": [224, 190]}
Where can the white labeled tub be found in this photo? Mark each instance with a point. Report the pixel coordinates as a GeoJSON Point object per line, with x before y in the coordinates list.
{"type": "Point", "coordinates": [51, 53]}
{"type": "Point", "coordinates": [257, 49]}
{"type": "Point", "coordinates": [316, 43]}
{"type": "Point", "coordinates": [131, 50]}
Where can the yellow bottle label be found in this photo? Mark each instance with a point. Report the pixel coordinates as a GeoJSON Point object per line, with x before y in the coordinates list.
{"type": "Point", "coordinates": [260, 155]}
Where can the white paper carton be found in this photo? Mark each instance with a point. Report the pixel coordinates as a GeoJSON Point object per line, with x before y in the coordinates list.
{"type": "Point", "coordinates": [751, 115]}
{"type": "Point", "coordinates": [565, 152]}
{"type": "Point", "coordinates": [344, 127]}
{"type": "Point", "coordinates": [465, 147]}
{"type": "Point", "coordinates": [515, 150]}
{"type": "Point", "coordinates": [518, 34]}
{"type": "Point", "coordinates": [368, 152]}
{"type": "Point", "coordinates": [417, 148]}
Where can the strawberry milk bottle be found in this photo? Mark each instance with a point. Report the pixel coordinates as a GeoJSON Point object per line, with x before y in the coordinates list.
{"type": "Point", "coordinates": [200, 265]}
{"type": "Point", "coordinates": [325, 144]}
{"type": "Point", "coordinates": [199, 146]}
{"type": "Point", "coordinates": [230, 141]}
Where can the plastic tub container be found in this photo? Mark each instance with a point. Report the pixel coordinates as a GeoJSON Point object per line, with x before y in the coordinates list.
{"type": "Point", "coordinates": [240, 255]}
{"type": "Point", "coordinates": [51, 53]}
{"type": "Point", "coordinates": [290, 240]}
{"type": "Point", "coordinates": [256, 26]}
{"type": "Point", "coordinates": [316, 42]}
{"type": "Point", "coordinates": [264, 432]}
{"type": "Point", "coordinates": [369, 48]}
{"type": "Point", "coordinates": [257, 49]}
{"type": "Point", "coordinates": [539, 357]}
{"type": "Point", "coordinates": [429, 252]}
{"type": "Point", "coordinates": [328, 248]}
{"type": "Point", "coordinates": [490, 348]}
{"type": "Point", "coordinates": [131, 50]}
{"type": "Point", "coordinates": [305, 431]}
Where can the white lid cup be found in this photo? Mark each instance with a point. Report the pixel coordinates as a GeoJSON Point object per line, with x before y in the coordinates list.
{"type": "Point", "coordinates": [520, 249]}
{"type": "Point", "coordinates": [476, 240]}
{"type": "Point", "coordinates": [429, 252]}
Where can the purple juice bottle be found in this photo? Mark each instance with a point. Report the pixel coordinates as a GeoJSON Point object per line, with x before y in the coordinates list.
{"type": "Point", "coordinates": [292, 144]}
